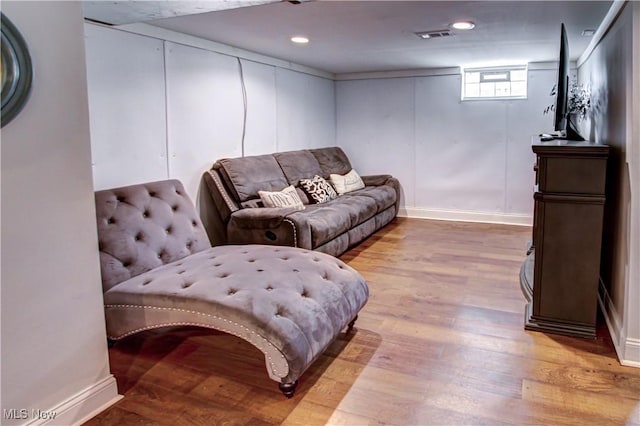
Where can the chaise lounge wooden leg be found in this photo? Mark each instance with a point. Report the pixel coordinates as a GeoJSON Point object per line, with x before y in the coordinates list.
{"type": "Point", "coordinates": [352, 323]}
{"type": "Point", "coordinates": [288, 389]}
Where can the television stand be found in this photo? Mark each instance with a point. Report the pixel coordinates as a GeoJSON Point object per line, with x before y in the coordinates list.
{"type": "Point", "coordinates": [561, 273]}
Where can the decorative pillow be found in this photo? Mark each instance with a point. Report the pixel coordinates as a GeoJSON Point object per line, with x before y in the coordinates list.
{"type": "Point", "coordinates": [347, 183]}
{"type": "Point", "coordinates": [288, 197]}
{"type": "Point", "coordinates": [318, 189]}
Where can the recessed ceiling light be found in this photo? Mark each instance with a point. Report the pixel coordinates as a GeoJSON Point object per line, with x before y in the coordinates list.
{"type": "Point", "coordinates": [463, 25]}
{"type": "Point", "coordinates": [588, 33]}
{"type": "Point", "coordinates": [300, 39]}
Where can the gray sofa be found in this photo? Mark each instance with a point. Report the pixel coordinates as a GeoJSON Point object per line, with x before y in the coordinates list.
{"type": "Point", "coordinates": [232, 213]}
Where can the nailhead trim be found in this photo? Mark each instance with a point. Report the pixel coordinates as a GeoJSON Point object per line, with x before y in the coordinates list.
{"type": "Point", "coordinates": [295, 235]}
{"type": "Point", "coordinates": [223, 192]}
{"type": "Point", "coordinates": [255, 342]}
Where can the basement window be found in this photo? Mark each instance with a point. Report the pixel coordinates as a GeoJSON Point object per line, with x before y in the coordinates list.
{"type": "Point", "coordinates": [494, 83]}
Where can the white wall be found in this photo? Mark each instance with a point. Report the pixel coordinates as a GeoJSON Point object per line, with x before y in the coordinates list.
{"type": "Point", "coordinates": [190, 112]}
{"type": "Point", "coordinates": [455, 160]}
{"type": "Point", "coordinates": [54, 354]}
{"type": "Point", "coordinates": [613, 72]}
{"type": "Point", "coordinates": [128, 138]}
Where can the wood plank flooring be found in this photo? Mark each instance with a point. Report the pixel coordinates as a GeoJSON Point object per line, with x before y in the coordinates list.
{"type": "Point", "coordinates": [441, 342]}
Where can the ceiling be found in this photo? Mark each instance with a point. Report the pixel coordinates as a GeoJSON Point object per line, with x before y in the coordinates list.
{"type": "Point", "coordinates": [369, 36]}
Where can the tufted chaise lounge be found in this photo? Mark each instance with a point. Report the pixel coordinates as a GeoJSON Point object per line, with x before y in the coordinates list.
{"type": "Point", "coordinates": [158, 269]}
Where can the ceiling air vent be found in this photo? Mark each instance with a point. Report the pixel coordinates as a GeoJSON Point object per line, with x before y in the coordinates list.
{"type": "Point", "coordinates": [434, 34]}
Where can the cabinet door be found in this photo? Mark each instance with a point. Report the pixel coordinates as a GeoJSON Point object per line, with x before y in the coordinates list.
{"type": "Point", "coordinates": [568, 259]}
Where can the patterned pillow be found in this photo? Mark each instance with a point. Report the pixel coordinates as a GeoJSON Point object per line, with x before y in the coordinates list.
{"type": "Point", "coordinates": [346, 183]}
{"type": "Point", "coordinates": [318, 189]}
{"type": "Point", "coordinates": [288, 197]}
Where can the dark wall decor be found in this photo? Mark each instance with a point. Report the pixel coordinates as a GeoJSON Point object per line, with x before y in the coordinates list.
{"type": "Point", "coordinates": [16, 69]}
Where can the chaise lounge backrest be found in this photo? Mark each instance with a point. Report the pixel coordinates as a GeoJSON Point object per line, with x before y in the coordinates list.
{"type": "Point", "coordinates": [142, 227]}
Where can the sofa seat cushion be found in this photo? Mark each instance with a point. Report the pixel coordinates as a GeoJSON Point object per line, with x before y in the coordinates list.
{"type": "Point", "coordinates": [328, 220]}
{"type": "Point", "coordinates": [384, 196]}
{"type": "Point", "coordinates": [296, 299]}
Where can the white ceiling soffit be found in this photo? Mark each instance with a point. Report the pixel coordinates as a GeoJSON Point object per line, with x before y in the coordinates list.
{"type": "Point", "coordinates": [370, 36]}
{"type": "Point", "coordinates": [128, 12]}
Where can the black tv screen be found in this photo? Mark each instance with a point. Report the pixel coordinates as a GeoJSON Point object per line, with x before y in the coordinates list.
{"type": "Point", "coordinates": [562, 86]}
{"type": "Point", "coordinates": [562, 124]}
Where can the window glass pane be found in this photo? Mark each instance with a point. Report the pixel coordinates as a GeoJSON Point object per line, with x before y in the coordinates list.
{"type": "Point", "coordinates": [472, 77]}
{"type": "Point", "coordinates": [518, 75]}
{"type": "Point", "coordinates": [519, 88]}
{"type": "Point", "coordinates": [495, 76]}
{"type": "Point", "coordinates": [487, 89]}
{"type": "Point", "coordinates": [472, 90]}
{"type": "Point", "coordinates": [503, 89]}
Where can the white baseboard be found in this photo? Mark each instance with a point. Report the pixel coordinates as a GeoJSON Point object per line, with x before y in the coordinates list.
{"type": "Point", "coordinates": [462, 216]}
{"type": "Point", "coordinates": [83, 405]}
{"type": "Point", "coordinates": [627, 349]}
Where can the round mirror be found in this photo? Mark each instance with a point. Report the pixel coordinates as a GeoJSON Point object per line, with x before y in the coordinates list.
{"type": "Point", "coordinates": [17, 73]}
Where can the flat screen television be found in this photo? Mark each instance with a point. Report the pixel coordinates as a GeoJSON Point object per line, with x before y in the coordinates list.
{"type": "Point", "coordinates": [565, 129]}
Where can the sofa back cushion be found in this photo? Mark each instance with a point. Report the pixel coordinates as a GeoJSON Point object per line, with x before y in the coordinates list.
{"type": "Point", "coordinates": [142, 227]}
{"type": "Point", "coordinates": [298, 165]}
{"type": "Point", "coordinates": [245, 176]}
{"type": "Point", "coordinates": [332, 160]}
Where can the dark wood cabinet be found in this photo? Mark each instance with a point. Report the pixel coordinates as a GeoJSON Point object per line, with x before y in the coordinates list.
{"type": "Point", "coordinates": [561, 273]}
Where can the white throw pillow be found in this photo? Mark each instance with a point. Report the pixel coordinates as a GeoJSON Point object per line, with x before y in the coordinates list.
{"type": "Point", "coordinates": [288, 197]}
{"type": "Point", "coordinates": [347, 183]}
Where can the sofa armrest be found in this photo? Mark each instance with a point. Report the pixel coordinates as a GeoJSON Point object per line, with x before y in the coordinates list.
{"type": "Point", "coordinates": [260, 218]}
{"type": "Point", "coordinates": [376, 180]}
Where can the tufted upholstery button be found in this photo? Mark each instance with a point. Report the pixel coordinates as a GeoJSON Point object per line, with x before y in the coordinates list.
{"type": "Point", "coordinates": [147, 281]}
{"type": "Point", "coordinates": [186, 285]}
{"type": "Point", "coordinates": [168, 229]}
{"type": "Point", "coordinates": [145, 214]}
{"type": "Point", "coordinates": [138, 236]}
{"type": "Point", "coordinates": [251, 260]}
{"type": "Point", "coordinates": [259, 270]}
{"type": "Point", "coordinates": [269, 288]}
{"type": "Point", "coordinates": [194, 223]}
{"type": "Point", "coordinates": [126, 264]}
{"type": "Point", "coordinates": [174, 208]}
{"type": "Point", "coordinates": [120, 198]}
{"type": "Point", "coordinates": [304, 293]}
{"type": "Point", "coordinates": [152, 193]}
{"type": "Point", "coordinates": [189, 244]}
{"type": "Point", "coordinates": [224, 275]}
{"type": "Point", "coordinates": [182, 271]}
{"type": "Point", "coordinates": [111, 221]}
{"type": "Point", "coordinates": [231, 292]}
{"type": "Point", "coordinates": [296, 270]}
{"type": "Point", "coordinates": [217, 265]}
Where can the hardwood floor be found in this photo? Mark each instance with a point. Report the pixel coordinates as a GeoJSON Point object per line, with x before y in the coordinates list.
{"type": "Point", "coordinates": [441, 342]}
